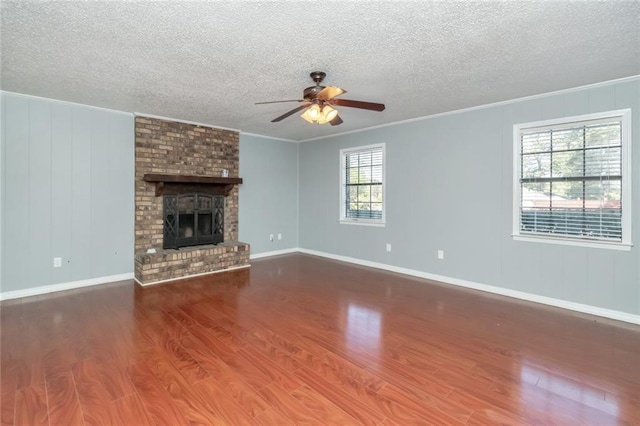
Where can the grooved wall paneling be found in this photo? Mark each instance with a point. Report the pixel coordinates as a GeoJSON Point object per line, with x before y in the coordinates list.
{"type": "Point", "coordinates": [269, 194]}
{"type": "Point", "coordinates": [449, 187]}
{"type": "Point", "coordinates": [67, 192]}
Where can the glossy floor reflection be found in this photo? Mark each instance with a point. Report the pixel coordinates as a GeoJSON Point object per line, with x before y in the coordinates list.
{"type": "Point", "coordinates": [300, 339]}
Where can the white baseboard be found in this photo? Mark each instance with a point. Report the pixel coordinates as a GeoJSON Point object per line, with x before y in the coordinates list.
{"type": "Point", "coordinates": [35, 291]}
{"type": "Point", "coordinates": [274, 253]}
{"type": "Point", "coordinates": [578, 307]}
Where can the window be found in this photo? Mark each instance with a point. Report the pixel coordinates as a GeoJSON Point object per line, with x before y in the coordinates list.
{"type": "Point", "coordinates": [362, 185]}
{"type": "Point", "coordinates": [572, 180]}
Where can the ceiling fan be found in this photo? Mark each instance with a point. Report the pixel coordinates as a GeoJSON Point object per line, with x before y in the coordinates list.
{"type": "Point", "coordinates": [319, 100]}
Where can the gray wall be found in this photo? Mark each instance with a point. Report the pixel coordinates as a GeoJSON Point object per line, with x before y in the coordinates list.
{"type": "Point", "coordinates": [269, 193]}
{"type": "Point", "coordinates": [449, 187]}
{"type": "Point", "coordinates": [67, 191]}
{"type": "Point", "coordinates": [67, 175]}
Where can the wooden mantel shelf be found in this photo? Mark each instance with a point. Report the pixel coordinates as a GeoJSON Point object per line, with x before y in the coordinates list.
{"type": "Point", "coordinates": [213, 180]}
{"type": "Point", "coordinates": [178, 184]}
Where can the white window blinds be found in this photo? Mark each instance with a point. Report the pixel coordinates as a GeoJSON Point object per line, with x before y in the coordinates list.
{"type": "Point", "coordinates": [363, 184]}
{"type": "Point", "coordinates": [571, 180]}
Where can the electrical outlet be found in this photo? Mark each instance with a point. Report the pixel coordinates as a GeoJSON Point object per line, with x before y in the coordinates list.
{"type": "Point", "coordinates": [279, 236]}
{"type": "Point", "coordinates": [388, 247]}
{"type": "Point", "coordinates": [57, 262]}
{"type": "Point", "coordinates": [271, 237]}
{"type": "Point", "coordinates": [440, 254]}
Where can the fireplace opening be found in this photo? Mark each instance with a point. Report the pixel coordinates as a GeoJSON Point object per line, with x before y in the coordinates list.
{"type": "Point", "coordinates": [193, 219]}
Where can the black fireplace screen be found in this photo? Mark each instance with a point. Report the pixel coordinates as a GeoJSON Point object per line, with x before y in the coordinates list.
{"type": "Point", "coordinates": [193, 219]}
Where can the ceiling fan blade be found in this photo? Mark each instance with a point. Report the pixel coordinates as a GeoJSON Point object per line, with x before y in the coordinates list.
{"type": "Point", "coordinates": [330, 92]}
{"type": "Point", "coordinates": [337, 120]}
{"type": "Point", "coordinates": [358, 104]}
{"type": "Point", "coordinates": [277, 102]}
{"type": "Point", "coordinates": [287, 114]}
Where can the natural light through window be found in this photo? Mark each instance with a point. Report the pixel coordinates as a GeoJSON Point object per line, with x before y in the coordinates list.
{"type": "Point", "coordinates": [572, 181]}
{"type": "Point", "coordinates": [363, 329]}
{"type": "Point", "coordinates": [362, 185]}
{"type": "Point", "coordinates": [546, 387]}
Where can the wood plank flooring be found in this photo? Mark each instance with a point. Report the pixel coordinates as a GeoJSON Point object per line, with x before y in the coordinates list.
{"type": "Point", "coordinates": [298, 339]}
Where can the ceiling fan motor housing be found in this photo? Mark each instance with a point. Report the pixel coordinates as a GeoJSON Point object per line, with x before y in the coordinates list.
{"type": "Point", "coordinates": [311, 92]}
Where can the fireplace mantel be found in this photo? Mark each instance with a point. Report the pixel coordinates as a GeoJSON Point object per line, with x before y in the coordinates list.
{"type": "Point", "coordinates": [177, 184]}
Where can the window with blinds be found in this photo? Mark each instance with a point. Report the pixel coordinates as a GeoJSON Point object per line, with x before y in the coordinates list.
{"type": "Point", "coordinates": [572, 179]}
{"type": "Point", "coordinates": [362, 185]}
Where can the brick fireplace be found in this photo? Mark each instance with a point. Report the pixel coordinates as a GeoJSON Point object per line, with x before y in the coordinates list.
{"type": "Point", "coordinates": [181, 158]}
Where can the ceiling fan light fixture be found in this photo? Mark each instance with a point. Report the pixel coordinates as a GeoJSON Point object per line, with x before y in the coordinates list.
{"type": "Point", "coordinates": [312, 113]}
{"type": "Point", "coordinates": [320, 115]}
{"type": "Point", "coordinates": [329, 113]}
{"type": "Point", "coordinates": [306, 117]}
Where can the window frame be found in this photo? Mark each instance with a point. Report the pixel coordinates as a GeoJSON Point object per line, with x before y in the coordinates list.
{"type": "Point", "coordinates": [624, 115]}
{"type": "Point", "coordinates": [361, 221]}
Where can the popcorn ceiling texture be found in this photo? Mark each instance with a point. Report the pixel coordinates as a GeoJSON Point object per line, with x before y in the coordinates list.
{"type": "Point", "coordinates": [209, 62]}
{"type": "Point", "coordinates": [168, 147]}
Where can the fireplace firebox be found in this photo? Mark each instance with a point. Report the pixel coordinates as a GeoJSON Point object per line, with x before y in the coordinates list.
{"type": "Point", "coordinates": [193, 219]}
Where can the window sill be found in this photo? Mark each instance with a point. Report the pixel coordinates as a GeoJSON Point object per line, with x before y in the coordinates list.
{"type": "Point", "coordinates": [361, 223]}
{"type": "Point", "coordinates": [568, 242]}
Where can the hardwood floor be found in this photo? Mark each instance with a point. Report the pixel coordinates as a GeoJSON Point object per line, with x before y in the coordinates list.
{"type": "Point", "coordinates": [298, 339]}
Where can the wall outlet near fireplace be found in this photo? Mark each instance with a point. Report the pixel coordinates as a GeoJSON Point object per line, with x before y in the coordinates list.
{"type": "Point", "coordinates": [271, 237]}
{"type": "Point", "coordinates": [441, 254]}
{"type": "Point", "coordinates": [279, 236]}
{"type": "Point", "coordinates": [388, 247]}
{"type": "Point", "coordinates": [57, 262]}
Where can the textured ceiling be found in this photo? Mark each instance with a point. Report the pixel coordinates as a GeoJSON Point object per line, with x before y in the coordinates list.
{"type": "Point", "coordinates": [209, 62]}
